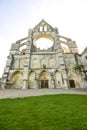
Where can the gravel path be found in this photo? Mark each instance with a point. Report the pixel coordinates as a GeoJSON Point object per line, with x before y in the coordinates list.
{"type": "Point", "coordinates": [14, 93]}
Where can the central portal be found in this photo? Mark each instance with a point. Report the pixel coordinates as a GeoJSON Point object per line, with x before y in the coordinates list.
{"type": "Point", "coordinates": [45, 79]}
{"type": "Point", "coordinates": [44, 83]}
{"type": "Point", "coordinates": [72, 83]}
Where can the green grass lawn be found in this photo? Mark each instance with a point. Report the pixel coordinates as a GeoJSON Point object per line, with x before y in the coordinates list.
{"type": "Point", "coordinates": [50, 112]}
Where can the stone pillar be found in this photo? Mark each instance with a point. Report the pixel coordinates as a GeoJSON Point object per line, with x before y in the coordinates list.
{"type": "Point", "coordinates": [25, 86]}
{"type": "Point", "coordinates": [25, 77]}
{"type": "Point", "coordinates": [37, 80]}
{"type": "Point", "coordinates": [27, 64]}
{"type": "Point", "coordinates": [53, 85]}
{"type": "Point", "coordinates": [52, 81]}
{"type": "Point", "coordinates": [65, 84]}
{"type": "Point", "coordinates": [3, 85]}
{"type": "Point", "coordinates": [3, 82]}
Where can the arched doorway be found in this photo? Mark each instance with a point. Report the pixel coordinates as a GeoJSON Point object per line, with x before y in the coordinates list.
{"type": "Point", "coordinates": [45, 79]}
{"type": "Point", "coordinates": [74, 80]}
{"type": "Point", "coordinates": [16, 80]}
{"type": "Point", "coordinates": [72, 83]}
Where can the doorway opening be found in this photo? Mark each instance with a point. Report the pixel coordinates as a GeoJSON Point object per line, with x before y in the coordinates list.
{"type": "Point", "coordinates": [45, 79]}
{"type": "Point", "coordinates": [44, 83]}
{"type": "Point", "coordinates": [72, 83]}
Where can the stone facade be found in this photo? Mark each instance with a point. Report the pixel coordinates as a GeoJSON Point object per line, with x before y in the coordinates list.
{"type": "Point", "coordinates": [28, 66]}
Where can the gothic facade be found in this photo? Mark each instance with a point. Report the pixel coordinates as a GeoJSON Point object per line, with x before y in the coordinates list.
{"type": "Point", "coordinates": [58, 66]}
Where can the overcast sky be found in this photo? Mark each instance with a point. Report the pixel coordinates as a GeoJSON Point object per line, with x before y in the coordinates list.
{"type": "Point", "coordinates": [17, 16]}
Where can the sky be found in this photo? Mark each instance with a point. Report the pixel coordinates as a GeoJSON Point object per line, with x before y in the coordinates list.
{"type": "Point", "coordinates": [17, 16]}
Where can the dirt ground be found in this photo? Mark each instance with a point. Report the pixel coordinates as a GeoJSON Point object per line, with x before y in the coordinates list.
{"type": "Point", "coordinates": [14, 93]}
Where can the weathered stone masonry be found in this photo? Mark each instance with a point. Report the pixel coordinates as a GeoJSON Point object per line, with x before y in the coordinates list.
{"type": "Point", "coordinates": [54, 67]}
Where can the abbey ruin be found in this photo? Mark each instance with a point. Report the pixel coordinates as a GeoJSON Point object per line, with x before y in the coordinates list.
{"type": "Point", "coordinates": [58, 66]}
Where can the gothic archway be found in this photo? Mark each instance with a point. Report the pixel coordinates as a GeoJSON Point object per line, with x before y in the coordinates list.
{"type": "Point", "coordinates": [73, 79]}
{"type": "Point", "coordinates": [35, 63]}
{"type": "Point", "coordinates": [51, 62]}
{"type": "Point", "coordinates": [65, 48]}
{"type": "Point", "coordinates": [45, 79]}
{"type": "Point", "coordinates": [43, 62]}
{"type": "Point", "coordinates": [16, 80]}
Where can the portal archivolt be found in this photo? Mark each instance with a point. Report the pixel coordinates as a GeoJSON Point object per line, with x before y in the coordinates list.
{"type": "Point", "coordinates": [16, 80]}
{"type": "Point", "coordinates": [45, 79]}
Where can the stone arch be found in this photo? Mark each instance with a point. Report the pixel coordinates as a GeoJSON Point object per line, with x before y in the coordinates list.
{"type": "Point", "coordinates": [45, 79]}
{"type": "Point", "coordinates": [43, 41]}
{"type": "Point", "coordinates": [51, 62]}
{"type": "Point", "coordinates": [75, 78]}
{"type": "Point", "coordinates": [65, 48]}
{"type": "Point", "coordinates": [31, 79]}
{"type": "Point", "coordinates": [35, 63]}
{"type": "Point", "coordinates": [58, 79]}
{"type": "Point", "coordinates": [43, 36]}
{"type": "Point", "coordinates": [16, 80]}
{"type": "Point", "coordinates": [22, 47]}
{"type": "Point", "coordinates": [43, 63]}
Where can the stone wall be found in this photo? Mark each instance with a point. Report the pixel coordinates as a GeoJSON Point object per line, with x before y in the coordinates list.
{"type": "Point", "coordinates": [30, 67]}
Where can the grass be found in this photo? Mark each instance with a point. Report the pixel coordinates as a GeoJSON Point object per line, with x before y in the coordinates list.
{"type": "Point", "coordinates": [49, 112]}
